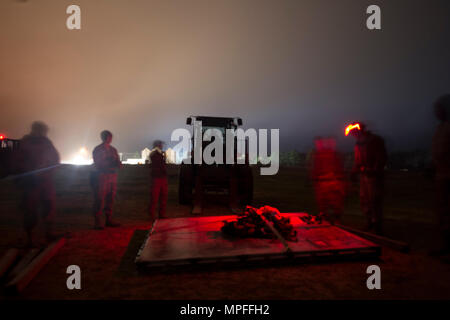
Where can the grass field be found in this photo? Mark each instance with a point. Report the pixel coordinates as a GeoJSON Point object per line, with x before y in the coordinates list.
{"type": "Point", "coordinates": [106, 257]}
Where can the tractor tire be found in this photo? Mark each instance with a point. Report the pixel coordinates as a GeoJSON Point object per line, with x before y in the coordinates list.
{"type": "Point", "coordinates": [185, 184]}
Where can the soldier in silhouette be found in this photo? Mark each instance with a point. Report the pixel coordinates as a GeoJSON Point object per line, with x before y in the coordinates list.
{"type": "Point", "coordinates": [36, 160]}
{"type": "Point", "coordinates": [328, 176]}
{"type": "Point", "coordinates": [159, 185]}
{"type": "Point", "coordinates": [369, 163]}
{"type": "Point", "coordinates": [104, 180]}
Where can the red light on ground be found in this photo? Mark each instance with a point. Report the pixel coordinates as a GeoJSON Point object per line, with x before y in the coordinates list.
{"type": "Point", "coordinates": [2, 137]}
{"type": "Point", "coordinates": [351, 127]}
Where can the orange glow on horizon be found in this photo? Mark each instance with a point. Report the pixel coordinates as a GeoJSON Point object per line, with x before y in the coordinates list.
{"type": "Point", "coordinates": [351, 127]}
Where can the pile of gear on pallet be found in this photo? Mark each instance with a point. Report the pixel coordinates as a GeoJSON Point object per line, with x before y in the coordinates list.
{"type": "Point", "coordinates": [252, 223]}
{"type": "Point", "coordinates": [311, 219]}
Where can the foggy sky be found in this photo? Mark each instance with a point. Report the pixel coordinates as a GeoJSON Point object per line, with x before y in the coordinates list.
{"type": "Point", "coordinates": [139, 68]}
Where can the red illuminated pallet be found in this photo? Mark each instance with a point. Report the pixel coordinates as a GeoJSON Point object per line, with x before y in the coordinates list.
{"type": "Point", "coordinates": [199, 241]}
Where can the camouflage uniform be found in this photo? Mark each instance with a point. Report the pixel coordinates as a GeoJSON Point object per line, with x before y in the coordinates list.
{"type": "Point", "coordinates": [36, 157]}
{"type": "Point", "coordinates": [159, 185]}
{"type": "Point", "coordinates": [370, 160]}
{"type": "Point", "coordinates": [327, 174]}
{"type": "Point", "coordinates": [104, 179]}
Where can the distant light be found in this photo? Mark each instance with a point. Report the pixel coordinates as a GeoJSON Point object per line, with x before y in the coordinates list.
{"type": "Point", "coordinates": [80, 158]}
{"type": "Point", "coordinates": [2, 137]}
{"type": "Point", "coordinates": [351, 127]}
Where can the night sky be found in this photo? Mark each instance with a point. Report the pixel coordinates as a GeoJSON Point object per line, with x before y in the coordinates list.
{"type": "Point", "coordinates": [139, 68]}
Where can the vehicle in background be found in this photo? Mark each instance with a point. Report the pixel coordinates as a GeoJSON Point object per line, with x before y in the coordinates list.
{"type": "Point", "coordinates": [7, 149]}
{"type": "Point", "coordinates": [198, 179]}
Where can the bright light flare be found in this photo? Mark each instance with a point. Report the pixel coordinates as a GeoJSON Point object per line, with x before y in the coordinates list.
{"type": "Point", "coordinates": [351, 127]}
{"type": "Point", "coordinates": [81, 157]}
{"type": "Point", "coordinates": [2, 137]}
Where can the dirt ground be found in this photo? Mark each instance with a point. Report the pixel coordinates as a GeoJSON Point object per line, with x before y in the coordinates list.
{"type": "Point", "coordinates": [106, 257]}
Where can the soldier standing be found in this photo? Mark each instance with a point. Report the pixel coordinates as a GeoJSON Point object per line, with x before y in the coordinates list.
{"type": "Point", "coordinates": [159, 185]}
{"type": "Point", "coordinates": [37, 157]}
{"type": "Point", "coordinates": [369, 163]}
{"type": "Point", "coordinates": [328, 176]}
{"type": "Point", "coordinates": [104, 180]}
{"type": "Point", "coordinates": [441, 161]}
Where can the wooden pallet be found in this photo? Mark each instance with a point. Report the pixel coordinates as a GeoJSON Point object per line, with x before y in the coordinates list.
{"type": "Point", "coordinates": [20, 267]}
{"type": "Point", "coordinates": [194, 242]}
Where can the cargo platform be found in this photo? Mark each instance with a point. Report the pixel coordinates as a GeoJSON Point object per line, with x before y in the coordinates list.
{"type": "Point", "coordinates": [195, 241]}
